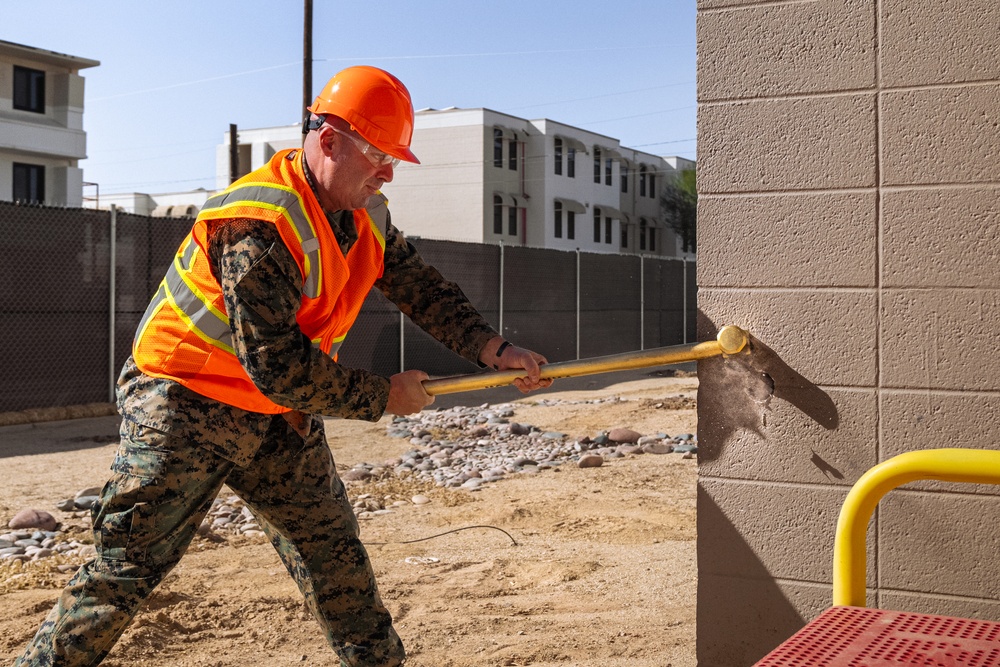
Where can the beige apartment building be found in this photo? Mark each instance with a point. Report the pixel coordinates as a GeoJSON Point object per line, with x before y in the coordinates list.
{"type": "Point", "coordinates": [41, 125]}
{"type": "Point", "coordinates": [489, 177]}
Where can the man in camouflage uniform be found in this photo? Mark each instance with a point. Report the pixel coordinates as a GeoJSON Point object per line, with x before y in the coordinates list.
{"type": "Point", "coordinates": [179, 447]}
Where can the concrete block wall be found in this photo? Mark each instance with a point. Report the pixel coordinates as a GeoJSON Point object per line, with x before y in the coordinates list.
{"type": "Point", "coordinates": [849, 219]}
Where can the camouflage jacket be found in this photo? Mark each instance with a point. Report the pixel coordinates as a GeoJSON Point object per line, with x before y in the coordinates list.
{"type": "Point", "coordinates": [261, 285]}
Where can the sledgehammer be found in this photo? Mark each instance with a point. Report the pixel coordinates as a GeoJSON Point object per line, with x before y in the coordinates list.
{"type": "Point", "coordinates": [731, 340]}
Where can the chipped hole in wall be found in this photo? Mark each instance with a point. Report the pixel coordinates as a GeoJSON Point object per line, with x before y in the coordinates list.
{"type": "Point", "coordinates": [757, 383]}
{"type": "Point", "coordinates": [765, 390]}
{"type": "Point", "coordinates": [743, 375]}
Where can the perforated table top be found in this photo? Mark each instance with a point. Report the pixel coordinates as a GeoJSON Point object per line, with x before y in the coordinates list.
{"type": "Point", "coordinates": [862, 637]}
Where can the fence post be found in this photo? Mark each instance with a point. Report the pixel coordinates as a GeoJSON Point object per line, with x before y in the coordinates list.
{"type": "Point", "coordinates": [402, 343]}
{"type": "Point", "coordinates": [112, 270]}
{"type": "Point", "coordinates": [642, 303]}
{"type": "Point", "coordinates": [685, 301]}
{"type": "Point", "coordinates": [577, 303]}
{"type": "Point", "coordinates": [501, 287]}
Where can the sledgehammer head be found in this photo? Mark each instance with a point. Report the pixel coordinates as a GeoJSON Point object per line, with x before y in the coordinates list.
{"type": "Point", "coordinates": [732, 339]}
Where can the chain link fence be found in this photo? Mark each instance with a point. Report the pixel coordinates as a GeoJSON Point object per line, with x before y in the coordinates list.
{"type": "Point", "coordinates": [67, 320]}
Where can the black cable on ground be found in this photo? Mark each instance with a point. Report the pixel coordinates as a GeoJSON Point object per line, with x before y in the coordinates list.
{"type": "Point", "coordinates": [431, 537]}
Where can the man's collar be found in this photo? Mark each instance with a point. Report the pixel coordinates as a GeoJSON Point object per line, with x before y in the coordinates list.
{"type": "Point", "coordinates": [341, 222]}
{"type": "Point", "coordinates": [312, 186]}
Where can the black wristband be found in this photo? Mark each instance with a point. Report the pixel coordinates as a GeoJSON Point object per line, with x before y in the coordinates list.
{"type": "Point", "coordinates": [503, 346]}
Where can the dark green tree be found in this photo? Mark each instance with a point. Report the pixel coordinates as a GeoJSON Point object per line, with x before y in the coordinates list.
{"type": "Point", "coordinates": [679, 207]}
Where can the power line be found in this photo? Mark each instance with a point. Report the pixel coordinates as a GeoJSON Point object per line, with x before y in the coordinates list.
{"type": "Point", "coordinates": [641, 115]}
{"type": "Point", "coordinates": [133, 147]}
{"type": "Point", "coordinates": [661, 143]}
{"type": "Point", "coordinates": [150, 158]}
{"type": "Point", "coordinates": [486, 54]}
{"type": "Point", "coordinates": [491, 54]}
{"type": "Point", "coordinates": [121, 188]}
{"type": "Point", "coordinates": [194, 82]}
{"type": "Point", "coordinates": [597, 97]}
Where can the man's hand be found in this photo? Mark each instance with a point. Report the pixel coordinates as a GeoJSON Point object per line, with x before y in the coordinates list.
{"type": "Point", "coordinates": [514, 358]}
{"type": "Point", "coordinates": [406, 393]}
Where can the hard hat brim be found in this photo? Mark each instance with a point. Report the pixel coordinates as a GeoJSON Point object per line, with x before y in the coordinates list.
{"type": "Point", "coordinates": [404, 154]}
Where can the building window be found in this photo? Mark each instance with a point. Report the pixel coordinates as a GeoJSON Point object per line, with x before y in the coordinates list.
{"type": "Point", "coordinates": [607, 171]}
{"type": "Point", "coordinates": [652, 239]}
{"type": "Point", "coordinates": [512, 221]}
{"type": "Point", "coordinates": [558, 156]}
{"type": "Point", "coordinates": [597, 164]}
{"type": "Point", "coordinates": [29, 89]}
{"type": "Point", "coordinates": [512, 158]}
{"type": "Point", "coordinates": [497, 214]}
{"type": "Point", "coordinates": [624, 178]}
{"type": "Point", "coordinates": [652, 185]}
{"type": "Point", "coordinates": [607, 230]}
{"type": "Point", "coordinates": [29, 183]}
{"type": "Point", "coordinates": [571, 224]}
{"type": "Point", "coordinates": [497, 147]}
{"type": "Point", "coordinates": [642, 234]}
{"type": "Point", "coordinates": [597, 225]}
{"type": "Point", "coordinates": [558, 219]}
{"type": "Point", "coordinates": [571, 163]}
{"type": "Point", "coordinates": [642, 180]}
{"type": "Point", "coordinates": [624, 235]}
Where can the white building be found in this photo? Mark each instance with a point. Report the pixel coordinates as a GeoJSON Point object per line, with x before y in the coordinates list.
{"type": "Point", "coordinates": [163, 205]}
{"type": "Point", "coordinates": [254, 148]}
{"type": "Point", "coordinates": [488, 177]}
{"type": "Point", "coordinates": [41, 125]}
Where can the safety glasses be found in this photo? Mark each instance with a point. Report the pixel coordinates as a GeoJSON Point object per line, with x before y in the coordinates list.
{"type": "Point", "coordinates": [375, 156]}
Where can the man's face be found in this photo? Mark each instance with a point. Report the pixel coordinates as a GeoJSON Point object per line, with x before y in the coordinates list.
{"type": "Point", "coordinates": [357, 175]}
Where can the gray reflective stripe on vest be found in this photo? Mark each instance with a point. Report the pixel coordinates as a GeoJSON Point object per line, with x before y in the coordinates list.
{"type": "Point", "coordinates": [286, 201]}
{"type": "Point", "coordinates": [206, 324]}
{"type": "Point", "coordinates": [187, 256]}
{"type": "Point", "coordinates": [154, 305]}
{"type": "Point", "coordinates": [378, 210]}
{"type": "Point", "coordinates": [333, 348]}
{"type": "Point", "coordinates": [194, 309]}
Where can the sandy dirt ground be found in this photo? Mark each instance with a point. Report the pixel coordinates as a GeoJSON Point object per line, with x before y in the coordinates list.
{"type": "Point", "coordinates": [602, 572]}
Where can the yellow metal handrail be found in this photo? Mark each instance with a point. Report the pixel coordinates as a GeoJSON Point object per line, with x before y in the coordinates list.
{"type": "Point", "coordinates": [730, 340]}
{"type": "Point", "coordinates": [974, 466]}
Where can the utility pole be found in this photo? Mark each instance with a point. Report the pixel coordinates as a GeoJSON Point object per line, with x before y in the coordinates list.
{"type": "Point", "coordinates": [307, 57]}
{"type": "Point", "coordinates": [234, 154]}
{"type": "Point", "coordinates": [97, 196]}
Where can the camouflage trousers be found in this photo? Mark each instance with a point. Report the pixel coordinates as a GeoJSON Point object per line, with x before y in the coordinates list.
{"type": "Point", "coordinates": [160, 491]}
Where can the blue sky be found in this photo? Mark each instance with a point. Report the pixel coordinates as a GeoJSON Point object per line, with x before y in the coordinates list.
{"type": "Point", "coordinates": [174, 75]}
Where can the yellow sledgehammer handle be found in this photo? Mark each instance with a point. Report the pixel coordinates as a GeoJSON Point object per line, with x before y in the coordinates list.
{"type": "Point", "coordinates": [731, 340]}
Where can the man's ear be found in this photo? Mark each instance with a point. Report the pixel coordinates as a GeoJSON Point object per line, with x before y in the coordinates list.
{"type": "Point", "coordinates": [328, 140]}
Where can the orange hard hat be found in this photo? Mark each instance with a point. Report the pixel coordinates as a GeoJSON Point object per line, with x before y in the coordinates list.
{"type": "Point", "coordinates": [375, 103]}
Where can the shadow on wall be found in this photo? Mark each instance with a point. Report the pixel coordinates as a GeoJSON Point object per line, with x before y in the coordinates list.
{"type": "Point", "coordinates": [750, 611]}
{"type": "Point", "coordinates": [735, 394]}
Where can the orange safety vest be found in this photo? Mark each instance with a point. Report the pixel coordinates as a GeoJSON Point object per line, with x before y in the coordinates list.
{"type": "Point", "coordinates": [185, 335]}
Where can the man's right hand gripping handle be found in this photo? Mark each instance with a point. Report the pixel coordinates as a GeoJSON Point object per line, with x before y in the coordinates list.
{"type": "Point", "coordinates": [406, 393]}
